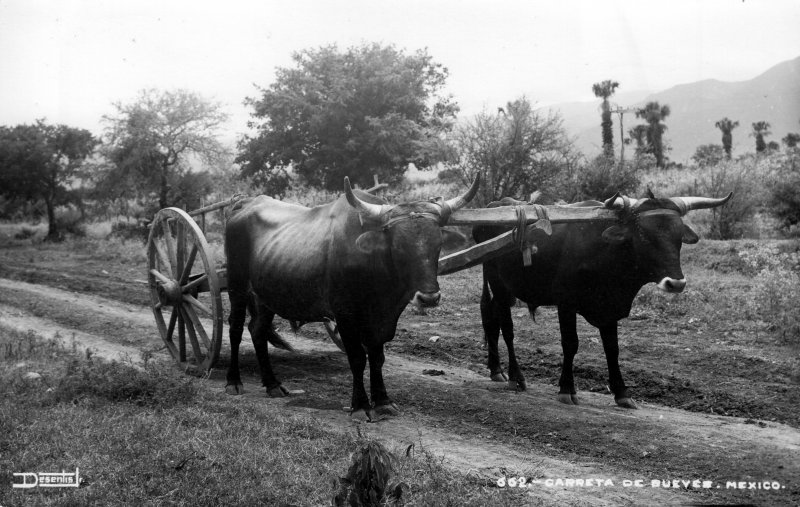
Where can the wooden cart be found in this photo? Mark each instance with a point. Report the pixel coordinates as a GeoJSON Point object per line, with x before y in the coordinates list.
{"type": "Point", "coordinates": [186, 282]}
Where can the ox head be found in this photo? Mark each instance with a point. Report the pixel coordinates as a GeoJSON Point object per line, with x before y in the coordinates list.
{"type": "Point", "coordinates": [410, 235]}
{"type": "Point", "coordinates": [655, 231]}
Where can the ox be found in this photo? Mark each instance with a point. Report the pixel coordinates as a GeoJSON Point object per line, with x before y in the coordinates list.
{"type": "Point", "coordinates": [594, 269]}
{"type": "Point", "coordinates": [357, 260]}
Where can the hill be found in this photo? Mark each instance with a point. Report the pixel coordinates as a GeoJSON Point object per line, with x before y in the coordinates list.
{"type": "Point", "coordinates": [773, 96]}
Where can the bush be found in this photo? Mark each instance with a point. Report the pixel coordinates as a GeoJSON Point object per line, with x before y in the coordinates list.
{"type": "Point", "coordinates": [69, 219]}
{"type": "Point", "coordinates": [784, 201]}
{"type": "Point", "coordinates": [777, 289]}
{"type": "Point", "coordinates": [603, 177]}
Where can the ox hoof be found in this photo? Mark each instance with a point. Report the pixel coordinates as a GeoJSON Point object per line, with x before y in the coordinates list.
{"type": "Point", "coordinates": [517, 385]}
{"type": "Point", "coordinates": [499, 377]}
{"type": "Point", "coordinates": [277, 392]}
{"type": "Point", "coordinates": [389, 409]}
{"type": "Point", "coordinates": [568, 399]}
{"type": "Point", "coordinates": [234, 389]}
{"type": "Point", "coordinates": [363, 415]}
{"type": "Point", "coordinates": [626, 403]}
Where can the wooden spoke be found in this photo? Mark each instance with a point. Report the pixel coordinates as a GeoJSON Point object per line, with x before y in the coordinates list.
{"type": "Point", "coordinates": [187, 269]}
{"type": "Point", "coordinates": [181, 335]}
{"type": "Point", "coordinates": [180, 254]}
{"type": "Point", "coordinates": [171, 250]}
{"type": "Point", "coordinates": [163, 258]}
{"type": "Point", "coordinates": [197, 304]}
{"type": "Point", "coordinates": [198, 326]}
{"type": "Point", "coordinates": [194, 283]}
{"type": "Point", "coordinates": [198, 353]}
{"type": "Point", "coordinates": [172, 320]}
{"type": "Point", "coordinates": [161, 278]}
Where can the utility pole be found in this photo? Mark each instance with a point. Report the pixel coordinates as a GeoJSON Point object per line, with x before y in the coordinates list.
{"type": "Point", "coordinates": [621, 111]}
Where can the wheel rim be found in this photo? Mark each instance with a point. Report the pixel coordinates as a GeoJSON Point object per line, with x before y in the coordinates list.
{"type": "Point", "coordinates": [184, 289]}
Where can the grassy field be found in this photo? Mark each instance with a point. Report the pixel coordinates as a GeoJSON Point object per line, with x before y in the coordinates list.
{"type": "Point", "coordinates": [156, 434]}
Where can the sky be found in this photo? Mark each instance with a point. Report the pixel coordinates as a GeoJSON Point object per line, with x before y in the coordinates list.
{"type": "Point", "coordinates": [68, 61]}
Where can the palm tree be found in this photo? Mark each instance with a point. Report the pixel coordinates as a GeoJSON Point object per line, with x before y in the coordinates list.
{"type": "Point", "coordinates": [727, 126]}
{"type": "Point", "coordinates": [653, 113]}
{"type": "Point", "coordinates": [604, 90]}
{"type": "Point", "coordinates": [761, 130]}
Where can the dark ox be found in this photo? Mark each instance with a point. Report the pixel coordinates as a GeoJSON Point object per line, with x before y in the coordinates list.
{"type": "Point", "coordinates": [594, 269]}
{"type": "Point", "coordinates": [357, 260]}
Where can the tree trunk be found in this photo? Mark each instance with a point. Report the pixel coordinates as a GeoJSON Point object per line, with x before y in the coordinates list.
{"type": "Point", "coordinates": [52, 226]}
{"type": "Point", "coordinates": [162, 198]}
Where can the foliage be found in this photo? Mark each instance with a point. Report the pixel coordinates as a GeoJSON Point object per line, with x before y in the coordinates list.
{"type": "Point", "coordinates": [42, 161]}
{"type": "Point", "coordinates": [603, 177]}
{"type": "Point", "coordinates": [709, 154]}
{"type": "Point", "coordinates": [368, 110]}
{"type": "Point", "coordinates": [604, 90]}
{"type": "Point", "coordinates": [760, 131]}
{"type": "Point", "coordinates": [784, 200]}
{"type": "Point", "coordinates": [791, 140]}
{"type": "Point", "coordinates": [153, 143]}
{"type": "Point", "coordinates": [653, 113]}
{"type": "Point", "coordinates": [777, 289]}
{"type": "Point", "coordinates": [735, 218]}
{"type": "Point", "coordinates": [516, 150]}
{"type": "Point", "coordinates": [726, 126]}
{"type": "Point", "coordinates": [70, 219]}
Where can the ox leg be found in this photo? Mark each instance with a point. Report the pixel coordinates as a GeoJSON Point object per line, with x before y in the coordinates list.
{"type": "Point", "coordinates": [515, 378]}
{"type": "Point", "coordinates": [611, 347]}
{"type": "Point", "coordinates": [567, 323]}
{"type": "Point", "coordinates": [383, 405]}
{"type": "Point", "coordinates": [260, 333]}
{"type": "Point", "coordinates": [357, 358]}
{"type": "Point", "coordinates": [236, 328]}
{"type": "Point", "coordinates": [491, 332]}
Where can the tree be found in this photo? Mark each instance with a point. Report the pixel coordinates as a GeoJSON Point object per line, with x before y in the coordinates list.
{"type": "Point", "coordinates": [760, 131]}
{"type": "Point", "coordinates": [368, 110]}
{"type": "Point", "coordinates": [709, 155]}
{"type": "Point", "coordinates": [653, 113]}
{"type": "Point", "coordinates": [516, 152]}
{"type": "Point", "coordinates": [40, 161]}
{"type": "Point", "coordinates": [604, 90]}
{"type": "Point", "coordinates": [726, 126]}
{"type": "Point", "coordinates": [156, 138]}
{"type": "Point", "coordinates": [791, 140]}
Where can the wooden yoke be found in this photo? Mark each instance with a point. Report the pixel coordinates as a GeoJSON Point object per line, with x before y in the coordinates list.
{"type": "Point", "coordinates": [538, 217]}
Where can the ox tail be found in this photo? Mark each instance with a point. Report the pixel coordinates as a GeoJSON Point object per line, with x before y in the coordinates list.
{"type": "Point", "coordinates": [277, 340]}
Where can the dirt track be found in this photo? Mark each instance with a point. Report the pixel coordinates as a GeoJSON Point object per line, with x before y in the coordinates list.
{"type": "Point", "coordinates": [479, 427]}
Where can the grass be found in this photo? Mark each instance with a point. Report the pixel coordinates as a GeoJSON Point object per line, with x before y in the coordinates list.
{"type": "Point", "coordinates": [157, 436]}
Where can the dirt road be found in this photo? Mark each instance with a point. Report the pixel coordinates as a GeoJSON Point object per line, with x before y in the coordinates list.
{"type": "Point", "coordinates": [592, 454]}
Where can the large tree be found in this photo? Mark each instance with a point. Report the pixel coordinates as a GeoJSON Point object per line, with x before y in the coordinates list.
{"type": "Point", "coordinates": [653, 113]}
{"type": "Point", "coordinates": [517, 151]}
{"type": "Point", "coordinates": [153, 140]}
{"type": "Point", "coordinates": [368, 110]}
{"type": "Point", "coordinates": [40, 161]}
{"type": "Point", "coordinates": [760, 131]}
{"type": "Point", "coordinates": [726, 126]}
{"type": "Point", "coordinates": [604, 90]}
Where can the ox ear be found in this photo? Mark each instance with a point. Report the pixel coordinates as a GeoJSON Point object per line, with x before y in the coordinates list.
{"type": "Point", "coordinates": [689, 236]}
{"type": "Point", "coordinates": [616, 235]}
{"type": "Point", "coordinates": [372, 242]}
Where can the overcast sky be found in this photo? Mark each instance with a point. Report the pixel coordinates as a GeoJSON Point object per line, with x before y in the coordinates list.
{"type": "Point", "coordinates": [68, 60]}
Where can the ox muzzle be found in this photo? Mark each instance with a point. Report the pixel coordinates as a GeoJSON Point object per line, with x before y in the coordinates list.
{"type": "Point", "coordinates": [668, 284]}
{"type": "Point", "coordinates": [426, 299]}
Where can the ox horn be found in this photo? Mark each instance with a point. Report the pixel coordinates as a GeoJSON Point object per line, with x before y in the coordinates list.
{"type": "Point", "coordinates": [368, 209]}
{"type": "Point", "coordinates": [687, 204]}
{"type": "Point", "coordinates": [618, 201]}
{"type": "Point", "coordinates": [460, 201]}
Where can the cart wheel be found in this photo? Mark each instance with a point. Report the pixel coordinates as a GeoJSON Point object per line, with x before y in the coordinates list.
{"type": "Point", "coordinates": [184, 289]}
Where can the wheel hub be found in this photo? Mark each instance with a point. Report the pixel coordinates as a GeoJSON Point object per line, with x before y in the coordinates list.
{"type": "Point", "coordinates": [169, 293]}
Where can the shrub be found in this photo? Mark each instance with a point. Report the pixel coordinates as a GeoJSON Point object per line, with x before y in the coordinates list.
{"type": "Point", "coordinates": [784, 201]}
{"type": "Point", "coordinates": [603, 177]}
{"type": "Point", "coordinates": [776, 288]}
{"type": "Point", "coordinates": [69, 219]}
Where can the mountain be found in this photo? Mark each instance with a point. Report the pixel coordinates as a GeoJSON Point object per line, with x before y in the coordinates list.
{"type": "Point", "coordinates": [773, 96]}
